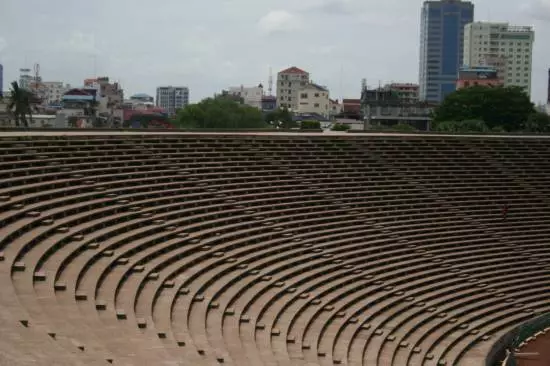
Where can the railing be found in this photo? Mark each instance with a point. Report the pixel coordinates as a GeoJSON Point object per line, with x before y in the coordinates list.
{"type": "Point", "coordinates": [498, 355]}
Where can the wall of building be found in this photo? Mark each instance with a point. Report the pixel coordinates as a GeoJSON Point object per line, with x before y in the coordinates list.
{"type": "Point", "coordinates": [289, 83]}
{"type": "Point", "coordinates": [172, 98]}
{"type": "Point", "coordinates": [408, 92]}
{"type": "Point", "coordinates": [335, 108]}
{"type": "Point", "coordinates": [251, 96]}
{"type": "Point", "coordinates": [313, 99]}
{"type": "Point", "coordinates": [54, 91]}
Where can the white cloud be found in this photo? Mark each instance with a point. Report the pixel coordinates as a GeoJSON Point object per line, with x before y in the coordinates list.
{"type": "Point", "coordinates": [538, 9]}
{"type": "Point", "coordinates": [333, 7]}
{"type": "Point", "coordinates": [277, 21]}
{"type": "Point", "coordinates": [322, 50]}
{"type": "Point", "coordinates": [80, 43]}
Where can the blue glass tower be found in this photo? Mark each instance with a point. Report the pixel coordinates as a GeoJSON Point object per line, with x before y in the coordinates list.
{"type": "Point", "coordinates": [441, 46]}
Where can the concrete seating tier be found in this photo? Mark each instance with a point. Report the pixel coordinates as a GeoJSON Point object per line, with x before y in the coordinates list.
{"type": "Point", "coordinates": [258, 249]}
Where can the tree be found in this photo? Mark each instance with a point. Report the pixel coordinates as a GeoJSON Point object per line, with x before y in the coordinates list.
{"type": "Point", "coordinates": [340, 127]}
{"type": "Point", "coordinates": [91, 111]}
{"type": "Point", "coordinates": [222, 113]}
{"type": "Point", "coordinates": [19, 104]}
{"type": "Point", "coordinates": [281, 117]}
{"type": "Point", "coordinates": [310, 125]}
{"type": "Point", "coordinates": [537, 122]}
{"type": "Point", "coordinates": [403, 127]}
{"type": "Point", "coordinates": [507, 107]}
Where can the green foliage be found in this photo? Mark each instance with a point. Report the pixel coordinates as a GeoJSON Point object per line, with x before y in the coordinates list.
{"type": "Point", "coordinates": [462, 126]}
{"type": "Point", "coordinates": [537, 122]}
{"type": "Point", "coordinates": [507, 107]}
{"type": "Point", "coordinates": [281, 118]}
{"type": "Point", "coordinates": [220, 113]}
{"type": "Point", "coordinates": [310, 125]}
{"type": "Point", "coordinates": [19, 103]}
{"type": "Point", "coordinates": [403, 127]}
{"type": "Point", "coordinates": [340, 127]}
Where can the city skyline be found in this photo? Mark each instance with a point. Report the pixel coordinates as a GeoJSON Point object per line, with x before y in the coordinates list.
{"type": "Point", "coordinates": [211, 54]}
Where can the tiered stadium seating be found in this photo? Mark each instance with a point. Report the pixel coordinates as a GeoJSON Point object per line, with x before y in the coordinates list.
{"type": "Point", "coordinates": [259, 249]}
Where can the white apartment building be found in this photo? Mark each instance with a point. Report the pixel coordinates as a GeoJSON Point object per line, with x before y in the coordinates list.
{"type": "Point", "coordinates": [314, 98]}
{"type": "Point", "coordinates": [251, 96]}
{"type": "Point", "coordinates": [172, 98]}
{"type": "Point", "coordinates": [506, 47]}
{"type": "Point", "coordinates": [289, 83]}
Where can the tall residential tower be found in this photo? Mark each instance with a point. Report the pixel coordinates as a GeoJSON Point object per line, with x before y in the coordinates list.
{"type": "Point", "coordinates": [441, 46]}
{"type": "Point", "coordinates": [507, 48]}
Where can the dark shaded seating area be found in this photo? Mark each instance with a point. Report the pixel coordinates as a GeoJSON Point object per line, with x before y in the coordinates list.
{"type": "Point", "coordinates": [243, 249]}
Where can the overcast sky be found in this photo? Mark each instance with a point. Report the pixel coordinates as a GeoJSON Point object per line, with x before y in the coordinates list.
{"type": "Point", "coordinates": [209, 45]}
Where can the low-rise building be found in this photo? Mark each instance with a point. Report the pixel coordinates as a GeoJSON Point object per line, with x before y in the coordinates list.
{"type": "Point", "coordinates": [384, 107]}
{"type": "Point", "coordinates": [314, 99]}
{"type": "Point", "coordinates": [77, 106]}
{"type": "Point", "coordinates": [251, 96]}
{"type": "Point", "coordinates": [351, 108]}
{"type": "Point", "coordinates": [478, 76]}
{"type": "Point", "coordinates": [407, 92]}
{"type": "Point", "coordinates": [289, 84]}
{"type": "Point", "coordinates": [335, 107]}
{"type": "Point", "coordinates": [269, 103]}
{"type": "Point", "coordinates": [139, 102]}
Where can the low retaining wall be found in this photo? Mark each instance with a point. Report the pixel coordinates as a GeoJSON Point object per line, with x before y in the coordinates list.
{"type": "Point", "coordinates": [514, 338]}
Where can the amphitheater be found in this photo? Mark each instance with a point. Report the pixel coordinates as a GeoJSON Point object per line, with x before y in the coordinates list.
{"type": "Point", "coordinates": [269, 249]}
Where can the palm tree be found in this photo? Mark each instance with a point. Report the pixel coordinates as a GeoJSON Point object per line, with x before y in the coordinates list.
{"type": "Point", "coordinates": [20, 104]}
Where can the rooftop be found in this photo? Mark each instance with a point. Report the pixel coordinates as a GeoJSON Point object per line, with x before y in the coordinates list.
{"type": "Point", "coordinates": [293, 70]}
{"type": "Point", "coordinates": [141, 95]}
{"type": "Point", "coordinates": [316, 86]}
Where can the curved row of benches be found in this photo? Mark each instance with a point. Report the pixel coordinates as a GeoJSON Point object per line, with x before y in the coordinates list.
{"type": "Point", "coordinates": [248, 250]}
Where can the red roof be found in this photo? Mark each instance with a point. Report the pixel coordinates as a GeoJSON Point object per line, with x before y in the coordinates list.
{"type": "Point", "coordinates": [293, 70]}
{"type": "Point", "coordinates": [351, 101]}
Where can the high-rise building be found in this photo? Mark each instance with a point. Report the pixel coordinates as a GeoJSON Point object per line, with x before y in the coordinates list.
{"type": "Point", "coordinates": [289, 83]}
{"type": "Point", "coordinates": [1, 80]}
{"type": "Point", "coordinates": [441, 46]}
{"type": "Point", "coordinates": [172, 98]}
{"type": "Point", "coordinates": [486, 43]}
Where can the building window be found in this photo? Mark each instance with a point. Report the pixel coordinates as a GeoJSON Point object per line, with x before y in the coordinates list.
{"type": "Point", "coordinates": [316, 95]}
{"type": "Point", "coordinates": [303, 95]}
{"type": "Point", "coordinates": [316, 105]}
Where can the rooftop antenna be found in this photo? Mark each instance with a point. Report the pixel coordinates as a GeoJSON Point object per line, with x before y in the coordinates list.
{"type": "Point", "coordinates": [36, 76]}
{"type": "Point", "coordinates": [270, 82]}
